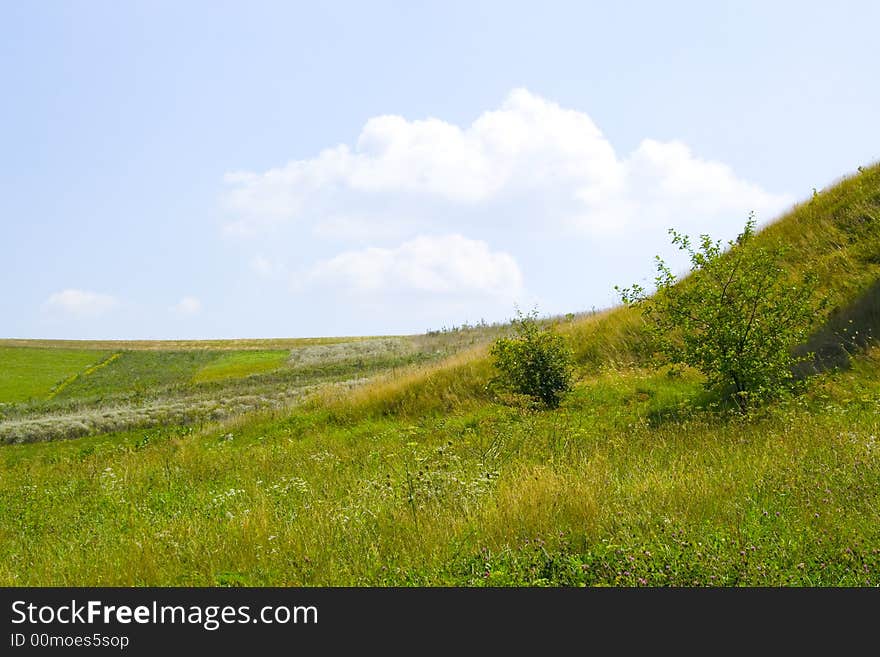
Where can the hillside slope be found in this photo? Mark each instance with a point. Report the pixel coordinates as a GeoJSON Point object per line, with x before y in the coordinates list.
{"type": "Point", "coordinates": [836, 234]}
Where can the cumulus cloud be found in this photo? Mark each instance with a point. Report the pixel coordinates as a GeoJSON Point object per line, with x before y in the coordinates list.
{"type": "Point", "coordinates": [188, 306]}
{"type": "Point", "coordinates": [530, 202]}
{"type": "Point", "coordinates": [526, 162]}
{"type": "Point", "coordinates": [445, 264]}
{"type": "Point", "coordinates": [79, 303]}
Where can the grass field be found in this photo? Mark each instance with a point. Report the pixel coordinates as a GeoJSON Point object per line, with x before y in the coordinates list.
{"type": "Point", "coordinates": [140, 371]}
{"type": "Point", "coordinates": [34, 373]}
{"type": "Point", "coordinates": [239, 364]}
{"type": "Point", "coordinates": [629, 483]}
{"type": "Point", "coordinates": [395, 461]}
{"type": "Point", "coordinates": [84, 392]}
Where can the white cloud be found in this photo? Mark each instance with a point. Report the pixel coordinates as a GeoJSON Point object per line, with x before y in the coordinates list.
{"type": "Point", "coordinates": [443, 265]}
{"type": "Point", "coordinates": [364, 227]}
{"type": "Point", "coordinates": [188, 306]}
{"type": "Point", "coordinates": [266, 267]}
{"type": "Point", "coordinates": [528, 162]}
{"type": "Point", "coordinates": [440, 221]}
{"type": "Point", "coordinates": [79, 303]}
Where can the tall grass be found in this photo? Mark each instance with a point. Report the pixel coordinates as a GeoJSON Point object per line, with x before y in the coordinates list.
{"type": "Point", "coordinates": [626, 484]}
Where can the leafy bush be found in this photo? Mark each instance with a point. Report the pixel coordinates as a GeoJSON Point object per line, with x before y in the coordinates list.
{"type": "Point", "coordinates": [737, 318]}
{"type": "Point", "coordinates": [536, 362]}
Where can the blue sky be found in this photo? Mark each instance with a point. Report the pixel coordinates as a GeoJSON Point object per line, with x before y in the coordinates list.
{"type": "Point", "coordinates": [186, 170]}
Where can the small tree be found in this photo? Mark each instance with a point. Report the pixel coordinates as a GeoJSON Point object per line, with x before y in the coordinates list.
{"type": "Point", "coordinates": [537, 362]}
{"type": "Point", "coordinates": [736, 318]}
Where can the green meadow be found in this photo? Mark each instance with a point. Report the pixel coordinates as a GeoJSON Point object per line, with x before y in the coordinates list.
{"type": "Point", "coordinates": [396, 460]}
{"type": "Point", "coordinates": [239, 364]}
{"type": "Point", "coordinates": [34, 373]}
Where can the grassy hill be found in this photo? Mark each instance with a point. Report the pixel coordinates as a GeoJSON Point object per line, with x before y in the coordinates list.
{"type": "Point", "coordinates": [422, 476]}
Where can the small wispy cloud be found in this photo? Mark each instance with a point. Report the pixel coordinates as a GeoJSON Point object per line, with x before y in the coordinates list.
{"type": "Point", "coordinates": [79, 303]}
{"type": "Point", "coordinates": [267, 267]}
{"type": "Point", "coordinates": [188, 306]}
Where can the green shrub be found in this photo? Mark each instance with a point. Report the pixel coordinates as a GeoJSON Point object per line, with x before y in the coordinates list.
{"type": "Point", "coordinates": [536, 362]}
{"type": "Point", "coordinates": [737, 318]}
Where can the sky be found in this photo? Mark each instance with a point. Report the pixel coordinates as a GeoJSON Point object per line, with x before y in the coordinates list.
{"type": "Point", "coordinates": [281, 169]}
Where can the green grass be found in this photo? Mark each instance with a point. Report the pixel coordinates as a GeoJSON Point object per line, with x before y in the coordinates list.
{"type": "Point", "coordinates": [33, 373]}
{"type": "Point", "coordinates": [630, 482]}
{"type": "Point", "coordinates": [140, 371]}
{"type": "Point", "coordinates": [237, 364]}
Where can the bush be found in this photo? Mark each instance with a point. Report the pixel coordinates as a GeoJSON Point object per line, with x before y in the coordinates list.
{"type": "Point", "coordinates": [737, 318]}
{"type": "Point", "coordinates": [537, 362]}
